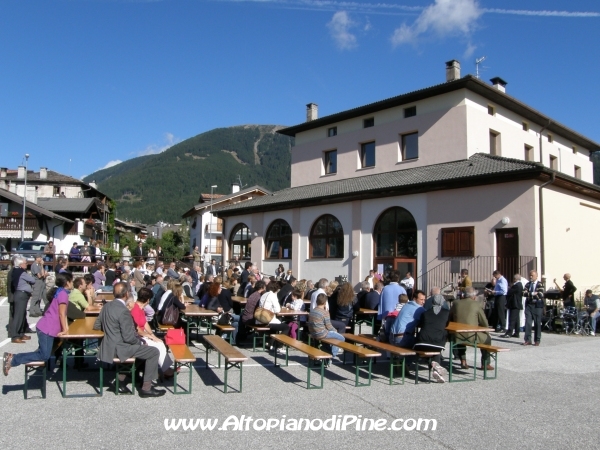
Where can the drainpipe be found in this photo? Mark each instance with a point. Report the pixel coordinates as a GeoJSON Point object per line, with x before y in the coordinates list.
{"type": "Point", "coordinates": [541, 205]}
{"type": "Point", "coordinates": [541, 131]}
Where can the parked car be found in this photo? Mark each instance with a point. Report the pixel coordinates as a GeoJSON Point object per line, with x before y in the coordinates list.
{"type": "Point", "coordinates": [30, 249]}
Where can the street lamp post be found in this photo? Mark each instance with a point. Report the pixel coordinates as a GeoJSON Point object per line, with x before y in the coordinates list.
{"type": "Point", "coordinates": [24, 198]}
{"type": "Point", "coordinates": [210, 223]}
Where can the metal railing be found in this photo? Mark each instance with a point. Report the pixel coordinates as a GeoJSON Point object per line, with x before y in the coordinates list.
{"type": "Point", "coordinates": [480, 270]}
{"type": "Point", "coordinates": [15, 223]}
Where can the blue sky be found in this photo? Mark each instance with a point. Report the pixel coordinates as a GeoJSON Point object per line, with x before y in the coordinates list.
{"type": "Point", "coordinates": [86, 83]}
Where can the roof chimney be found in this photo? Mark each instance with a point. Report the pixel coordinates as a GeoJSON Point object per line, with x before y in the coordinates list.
{"type": "Point", "coordinates": [499, 84]}
{"type": "Point", "coordinates": [93, 184]}
{"type": "Point", "coordinates": [452, 70]}
{"type": "Point", "coordinates": [235, 188]}
{"type": "Point", "coordinates": [312, 112]}
{"type": "Point", "coordinates": [43, 173]}
{"type": "Point", "coordinates": [21, 172]}
{"type": "Point", "coordinates": [2, 172]}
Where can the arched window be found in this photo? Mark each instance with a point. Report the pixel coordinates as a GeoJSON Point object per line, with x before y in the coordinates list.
{"type": "Point", "coordinates": [327, 238]}
{"type": "Point", "coordinates": [279, 240]}
{"type": "Point", "coordinates": [240, 242]}
{"type": "Point", "coordinates": [396, 234]}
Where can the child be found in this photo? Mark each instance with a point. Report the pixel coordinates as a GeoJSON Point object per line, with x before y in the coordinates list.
{"type": "Point", "coordinates": [86, 259]}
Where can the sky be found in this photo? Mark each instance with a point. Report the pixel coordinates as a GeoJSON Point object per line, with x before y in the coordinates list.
{"type": "Point", "coordinates": [86, 84]}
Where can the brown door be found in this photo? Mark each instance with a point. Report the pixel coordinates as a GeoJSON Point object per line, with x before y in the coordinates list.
{"type": "Point", "coordinates": [507, 245]}
{"type": "Point", "coordinates": [402, 265]}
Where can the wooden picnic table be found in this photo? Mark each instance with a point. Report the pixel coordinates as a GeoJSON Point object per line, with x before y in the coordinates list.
{"type": "Point", "coordinates": [287, 312]}
{"type": "Point", "coordinates": [238, 299]}
{"type": "Point", "coordinates": [195, 315]}
{"type": "Point", "coordinates": [76, 339]}
{"type": "Point", "coordinates": [367, 317]}
{"type": "Point", "coordinates": [92, 310]}
{"type": "Point", "coordinates": [457, 328]}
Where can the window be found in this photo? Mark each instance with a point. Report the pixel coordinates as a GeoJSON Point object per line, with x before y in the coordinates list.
{"type": "Point", "coordinates": [553, 162]}
{"type": "Point", "coordinates": [240, 242]}
{"type": "Point", "coordinates": [332, 132]}
{"type": "Point", "coordinates": [494, 143]}
{"type": "Point", "coordinates": [330, 161]}
{"type": "Point", "coordinates": [367, 154]}
{"type": "Point", "coordinates": [458, 242]}
{"type": "Point", "coordinates": [410, 111]}
{"type": "Point", "coordinates": [578, 172]}
{"type": "Point", "coordinates": [410, 146]}
{"type": "Point", "coordinates": [395, 234]}
{"type": "Point", "coordinates": [528, 153]}
{"type": "Point", "coordinates": [55, 191]}
{"type": "Point", "coordinates": [550, 138]}
{"type": "Point", "coordinates": [367, 123]}
{"type": "Point", "coordinates": [279, 240]}
{"type": "Point", "coordinates": [327, 238]}
{"type": "Point", "coordinates": [525, 126]}
{"type": "Point", "coordinates": [491, 110]}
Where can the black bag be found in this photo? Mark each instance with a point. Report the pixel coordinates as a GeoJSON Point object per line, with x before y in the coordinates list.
{"type": "Point", "coordinates": [171, 314]}
{"type": "Point", "coordinates": [225, 319]}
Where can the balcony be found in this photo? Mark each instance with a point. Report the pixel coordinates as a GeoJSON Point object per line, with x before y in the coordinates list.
{"type": "Point", "coordinates": [15, 223]}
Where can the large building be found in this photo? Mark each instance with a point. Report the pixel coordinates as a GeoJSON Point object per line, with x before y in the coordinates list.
{"type": "Point", "coordinates": [58, 208]}
{"type": "Point", "coordinates": [457, 175]}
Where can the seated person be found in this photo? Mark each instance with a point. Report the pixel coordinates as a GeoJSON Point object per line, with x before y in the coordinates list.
{"type": "Point", "coordinates": [319, 324]}
{"type": "Point", "coordinates": [145, 332]}
{"type": "Point", "coordinates": [121, 341]}
{"type": "Point", "coordinates": [77, 294]}
{"type": "Point", "coordinates": [248, 312]}
{"type": "Point", "coordinates": [433, 335]}
{"type": "Point", "coordinates": [216, 299]}
{"type": "Point", "coordinates": [346, 304]}
{"type": "Point", "coordinates": [270, 302]}
{"type": "Point", "coordinates": [403, 328]}
{"type": "Point", "coordinates": [175, 298]}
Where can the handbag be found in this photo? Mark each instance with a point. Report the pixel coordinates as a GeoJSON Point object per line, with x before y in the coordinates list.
{"type": "Point", "coordinates": [225, 319]}
{"type": "Point", "coordinates": [263, 316]}
{"type": "Point", "coordinates": [175, 336]}
{"type": "Point", "coordinates": [171, 314]}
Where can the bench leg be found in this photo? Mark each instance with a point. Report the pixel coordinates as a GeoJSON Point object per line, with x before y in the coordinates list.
{"type": "Point", "coordinates": [228, 366]}
{"type": "Point", "coordinates": [494, 357]}
{"type": "Point", "coordinates": [308, 371]}
{"type": "Point", "coordinates": [130, 371]}
{"type": "Point", "coordinates": [393, 365]}
{"type": "Point", "coordinates": [176, 385]}
{"type": "Point", "coordinates": [358, 366]}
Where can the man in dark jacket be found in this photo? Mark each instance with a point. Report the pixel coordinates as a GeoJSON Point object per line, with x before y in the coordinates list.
{"type": "Point", "coordinates": [534, 308]}
{"type": "Point", "coordinates": [514, 303]}
{"type": "Point", "coordinates": [121, 341]}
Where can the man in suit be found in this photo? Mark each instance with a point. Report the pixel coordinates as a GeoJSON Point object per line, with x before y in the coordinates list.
{"type": "Point", "coordinates": [514, 303]}
{"type": "Point", "coordinates": [284, 293]}
{"type": "Point", "coordinates": [534, 308]}
{"type": "Point", "coordinates": [470, 311]}
{"type": "Point", "coordinates": [139, 252]}
{"type": "Point", "coordinates": [121, 341]}
{"type": "Point", "coordinates": [172, 272]}
{"type": "Point", "coordinates": [211, 269]}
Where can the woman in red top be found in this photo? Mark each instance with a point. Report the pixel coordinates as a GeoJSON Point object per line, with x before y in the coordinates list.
{"type": "Point", "coordinates": [144, 330]}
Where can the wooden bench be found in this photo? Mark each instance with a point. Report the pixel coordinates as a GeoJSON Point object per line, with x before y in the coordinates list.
{"type": "Point", "coordinates": [493, 352]}
{"type": "Point", "coordinates": [359, 353]}
{"type": "Point", "coordinates": [396, 353]}
{"type": "Point", "coordinates": [183, 357]}
{"type": "Point", "coordinates": [233, 357]}
{"type": "Point", "coordinates": [31, 368]}
{"type": "Point", "coordinates": [260, 331]}
{"type": "Point", "coordinates": [119, 369]}
{"type": "Point", "coordinates": [314, 354]}
{"type": "Point", "coordinates": [225, 329]}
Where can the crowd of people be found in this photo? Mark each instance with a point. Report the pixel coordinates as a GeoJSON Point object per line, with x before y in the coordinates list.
{"type": "Point", "coordinates": [148, 291]}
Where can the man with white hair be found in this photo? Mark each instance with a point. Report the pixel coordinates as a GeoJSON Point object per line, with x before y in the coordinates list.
{"type": "Point", "coordinates": [39, 288]}
{"type": "Point", "coordinates": [21, 288]}
{"type": "Point", "coordinates": [321, 285]}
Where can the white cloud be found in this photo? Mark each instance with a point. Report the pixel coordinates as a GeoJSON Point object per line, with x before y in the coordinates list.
{"type": "Point", "coordinates": [154, 149]}
{"type": "Point", "coordinates": [444, 17]}
{"type": "Point", "coordinates": [339, 28]}
{"type": "Point", "coordinates": [523, 12]}
{"type": "Point", "coordinates": [368, 25]}
{"type": "Point", "coordinates": [469, 50]}
{"type": "Point", "coordinates": [112, 163]}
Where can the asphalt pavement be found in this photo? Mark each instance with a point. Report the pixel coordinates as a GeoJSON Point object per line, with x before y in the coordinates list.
{"type": "Point", "coordinates": [544, 397]}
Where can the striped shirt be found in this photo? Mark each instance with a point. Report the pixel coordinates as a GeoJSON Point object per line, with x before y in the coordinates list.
{"type": "Point", "coordinates": [319, 323]}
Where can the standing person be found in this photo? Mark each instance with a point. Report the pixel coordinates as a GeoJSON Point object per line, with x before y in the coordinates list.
{"type": "Point", "coordinates": [197, 256]}
{"type": "Point", "coordinates": [39, 288]}
{"type": "Point", "coordinates": [514, 303]}
{"type": "Point", "coordinates": [408, 282]}
{"type": "Point", "coordinates": [469, 311]}
{"type": "Point", "coordinates": [319, 324]}
{"type": "Point", "coordinates": [534, 308]}
{"type": "Point", "coordinates": [22, 288]}
{"type": "Point", "coordinates": [280, 271]}
{"type": "Point", "coordinates": [97, 251]}
{"type": "Point", "coordinates": [138, 276]}
{"type": "Point", "coordinates": [159, 253]}
{"type": "Point", "coordinates": [567, 291]}
{"type": "Point", "coordinates": [121, 341]}
{"type": "Point", "coordinates": [389, 296]}
{"type": "Point", "coordinates": [211, 269]}
{"type": "Point", "coordinates": [500, 290]}
{"type": "Point", "coordinates": [465, 281]}
{"type": "Point", "coordinates": [110, 274]}
{"type": "Point", "coordinates": [125, 254]}
{"type": "Point", "coordinates": [139, 251]}
{"type": "Point", "coordinates": [592, 304]}
{"type": "Point", "coordinates": [49, 251]}
{"type": "Point", "coordinates": [53, 324]}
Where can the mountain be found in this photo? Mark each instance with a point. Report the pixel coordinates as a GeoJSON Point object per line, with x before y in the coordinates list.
{"type": "Point", "coordinates": [163, 186]}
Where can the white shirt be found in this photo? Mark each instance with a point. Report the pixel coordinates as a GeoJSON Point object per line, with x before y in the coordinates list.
{"type": "Point", "coordinates": [313, 299]}
{"type": "Point", "coordinates": [270, 302]}
{"type": "Point", "coordinates": [408, 283]}
{"type": "Point", "coordinates": [162, 299]}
